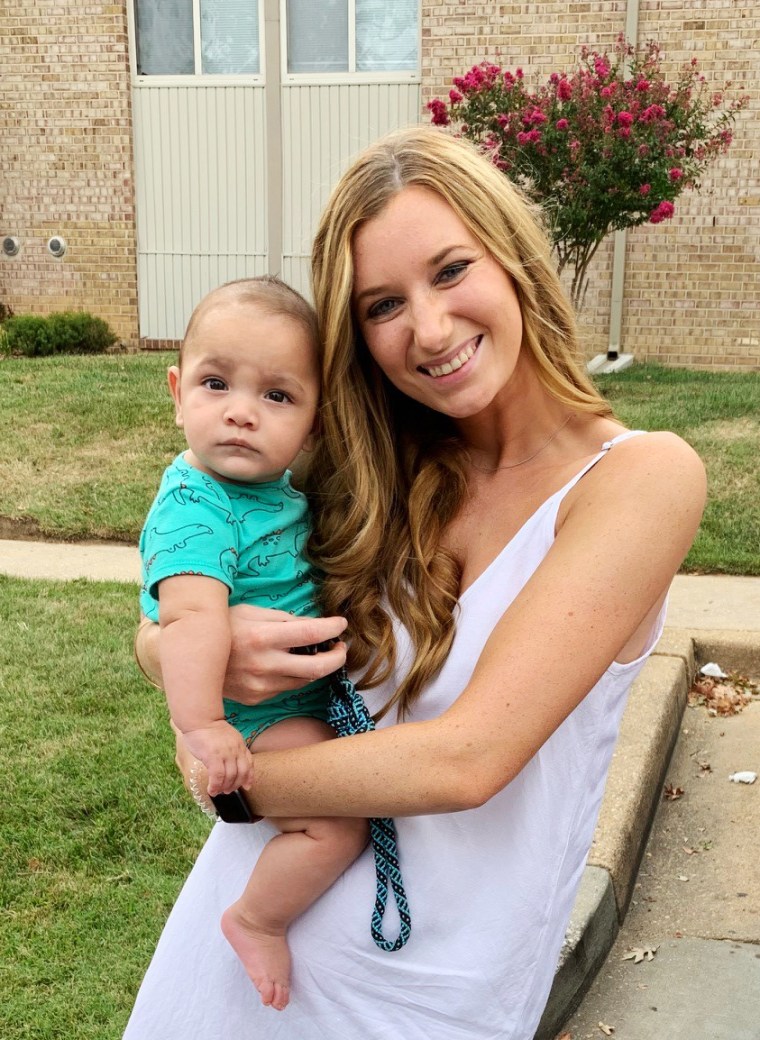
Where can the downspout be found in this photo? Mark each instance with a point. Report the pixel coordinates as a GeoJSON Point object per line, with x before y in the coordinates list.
{"type": "Point", "coordinates": [618, 257]}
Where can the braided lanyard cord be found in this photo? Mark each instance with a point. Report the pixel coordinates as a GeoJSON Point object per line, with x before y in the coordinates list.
{"type": "Point", "coordinates": [347, 714]}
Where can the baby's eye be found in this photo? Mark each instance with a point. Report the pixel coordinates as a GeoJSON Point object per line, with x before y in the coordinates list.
{"type": "Point", "coordinates": [451, 272]}
{"type": "Point", "coordinates": [382, 309]}
{"type": "Point", "coordinates": [278, 396]}
{"type": "Point", "coordinates": [214, 383]}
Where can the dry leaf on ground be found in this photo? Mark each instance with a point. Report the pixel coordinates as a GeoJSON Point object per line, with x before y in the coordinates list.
{"type": "Point", "coordinates": [671, 793]}
{"type": "Point", "coordinates": [607, 1030]}
{"type": "Point", "coordinates": [640, 953]}
{"type": "Point", "coordinates": [723, 696]}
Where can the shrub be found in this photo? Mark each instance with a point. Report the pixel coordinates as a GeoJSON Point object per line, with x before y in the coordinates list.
{"type": "Point", "coordinates": [610, 145]}
{"type": "Point", "coordinates": [68, 332]}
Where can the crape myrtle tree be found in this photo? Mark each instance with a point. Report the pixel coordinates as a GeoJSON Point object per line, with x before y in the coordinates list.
{"type": "Point", "coordinates": [608, 146]}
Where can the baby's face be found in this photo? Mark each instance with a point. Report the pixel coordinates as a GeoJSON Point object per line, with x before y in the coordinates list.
{"type": "Point", "coordinates": [247, 393]}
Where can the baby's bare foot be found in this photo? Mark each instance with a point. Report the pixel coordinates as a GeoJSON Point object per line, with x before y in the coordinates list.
{"type": "Point", "coordinates": [265, 956]}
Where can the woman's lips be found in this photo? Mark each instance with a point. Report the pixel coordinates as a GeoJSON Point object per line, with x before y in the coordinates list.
{"type": "Point", "coordinates": [453, 364]}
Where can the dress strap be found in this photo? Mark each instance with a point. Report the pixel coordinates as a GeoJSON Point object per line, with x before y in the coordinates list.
{"type": "Point", "coordinates": [599, 455]}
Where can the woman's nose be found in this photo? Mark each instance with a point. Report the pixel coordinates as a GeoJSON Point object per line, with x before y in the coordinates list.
{"type": "Point", "coordinates": [431, 324]}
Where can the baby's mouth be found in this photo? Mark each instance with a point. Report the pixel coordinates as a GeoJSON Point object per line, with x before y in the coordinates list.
{"type": "Point", "coordinates": [464, 355]}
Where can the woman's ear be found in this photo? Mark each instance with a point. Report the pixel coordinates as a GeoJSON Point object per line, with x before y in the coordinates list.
{"type": "Point", "coordinates": [172, 378]}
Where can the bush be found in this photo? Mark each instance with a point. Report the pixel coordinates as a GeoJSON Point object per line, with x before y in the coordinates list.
{"type": "Point", "coordinates": [69, 332]}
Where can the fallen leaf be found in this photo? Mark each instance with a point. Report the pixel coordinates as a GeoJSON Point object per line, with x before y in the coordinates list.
{"type": "Point", "coordinates": [565, 1036]}
{"type": "Point", "coordinates": [637, 954]}
{"type": "Point", "coordinates": [722, 694]}
{"type": "Point", "coordinates": [690, 852]}
{"type": "Point", "coordinates": [682, 877]}
{"type": "Point", "coordinates": [671, 793]}
{"type": "Point", "coordinates": [704, 768]}
{"type": "Point", "coordinates": [607, 1030]}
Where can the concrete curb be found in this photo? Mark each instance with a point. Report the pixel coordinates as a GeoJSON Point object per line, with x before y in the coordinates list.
{"type": "Point", "coordinates": [648, 735]}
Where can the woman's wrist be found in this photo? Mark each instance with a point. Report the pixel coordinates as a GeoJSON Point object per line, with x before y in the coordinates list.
{"type": "Point", "coordinates": [146, 652]}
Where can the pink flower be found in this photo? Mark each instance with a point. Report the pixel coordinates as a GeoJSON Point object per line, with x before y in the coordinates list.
{"type": "Point", "coordinates": [624, 131]}
{"type": "Point", "coordinates": [664, 211]}
{"type": "Point", "coordinates": [606, 92]}
{"type": "Point", "coordinates": [643, 150]}
{"type": "Point", "coordinates": [651, 113]}
{"type": "Point", "coordinates": [519, 73]}
{"type": "Point", "coordinates": [645, 189]}
{"type": "Point", "coordinates": [642, 85]}
{"type": "Point", "coordinates": [562, 124]}
{"type": "Point", "coordinates": [601, 67]}
{"type": "Point", "coordinates": [529, 137]}
{"type": "Point", "coordinates": [564, 90]}
{"type": "Point", "coordinates": [625, 118]}
{"type": "Point", "coordinates": [455, 97]}
{"type": "Point", "coordinates": [574, 145]}
{"type": "Point", "coordinates": [440, 115]}
{"type": "Point", "coordinates": [675, 174]}
{"type": "Point", "coordinates": [535, 116]}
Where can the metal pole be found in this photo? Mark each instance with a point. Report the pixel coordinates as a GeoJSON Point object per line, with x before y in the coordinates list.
{"type": "Point", "coordinates": [618, 259]}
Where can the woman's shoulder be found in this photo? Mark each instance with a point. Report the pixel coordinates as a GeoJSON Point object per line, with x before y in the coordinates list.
{"type": "Point", "coordinates": [643, 470]}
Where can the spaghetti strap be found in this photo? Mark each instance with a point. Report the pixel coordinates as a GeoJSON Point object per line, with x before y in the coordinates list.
{"type": "Point", "coordinates": [626, 435]}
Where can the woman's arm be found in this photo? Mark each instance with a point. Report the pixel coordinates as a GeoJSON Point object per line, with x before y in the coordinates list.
{"type": "Point", "coordinates": [260, 664]}
{"type": "Point", "coordinates": [630, 524]}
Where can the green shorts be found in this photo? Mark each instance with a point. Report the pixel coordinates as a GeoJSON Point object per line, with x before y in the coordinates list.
{"type": "Point", "coordinates": [252, 719]}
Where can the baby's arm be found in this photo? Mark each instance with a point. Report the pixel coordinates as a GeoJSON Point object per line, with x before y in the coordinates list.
{"type": "Point", "coordinates": [195, 646]}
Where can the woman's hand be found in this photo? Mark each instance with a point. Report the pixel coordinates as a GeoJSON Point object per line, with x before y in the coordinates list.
{"type": "Point", "coordinates": [261, 664]}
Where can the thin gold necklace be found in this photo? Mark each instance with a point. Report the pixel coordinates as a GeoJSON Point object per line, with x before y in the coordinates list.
{"type": "Point", "coordinates": [514, 465]}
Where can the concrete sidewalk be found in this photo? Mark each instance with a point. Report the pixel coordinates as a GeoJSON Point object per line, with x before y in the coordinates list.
{"type": "Point", "coordinates": [709, 618]}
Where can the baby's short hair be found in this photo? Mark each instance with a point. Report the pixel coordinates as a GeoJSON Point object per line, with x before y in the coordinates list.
{"type": "Point", "coordinates": [266, 291]}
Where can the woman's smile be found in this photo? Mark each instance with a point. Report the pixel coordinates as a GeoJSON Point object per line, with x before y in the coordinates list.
{"type": "Point", "coordinates": [453, 363]}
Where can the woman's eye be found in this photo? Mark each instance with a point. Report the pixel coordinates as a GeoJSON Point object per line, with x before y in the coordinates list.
{"type": "Point", "coordinates": [382, 308]}
{"type": "Point", "coordinates": [451, 272]}
{"type": "Point", "coordinates": [213, 383]}
{"type": "Point", "coordinates": [278, 396]}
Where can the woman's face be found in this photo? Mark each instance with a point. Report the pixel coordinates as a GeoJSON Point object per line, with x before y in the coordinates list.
{"type": "Point", "coordinates": [437, 312]}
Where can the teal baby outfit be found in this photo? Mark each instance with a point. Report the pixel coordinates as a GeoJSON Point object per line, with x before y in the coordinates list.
{"type": "Point", "coordinates": [250, 537]}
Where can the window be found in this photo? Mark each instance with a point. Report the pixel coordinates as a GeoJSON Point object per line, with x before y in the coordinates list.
{"type": "Point", "coordinates": [197, 37]}
{"type": "Point", "coordinates": [352, 36]}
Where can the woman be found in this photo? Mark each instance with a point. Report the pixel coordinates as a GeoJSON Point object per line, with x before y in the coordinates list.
{"type": "Point", "coordinates": [502, 550]}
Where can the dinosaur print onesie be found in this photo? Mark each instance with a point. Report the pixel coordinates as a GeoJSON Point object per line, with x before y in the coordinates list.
{"type": "Point", "coordinates": [251, 537]}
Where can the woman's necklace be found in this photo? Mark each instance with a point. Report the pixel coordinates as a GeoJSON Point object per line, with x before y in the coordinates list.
{"type": "Point", "coordinates": [514, 465]}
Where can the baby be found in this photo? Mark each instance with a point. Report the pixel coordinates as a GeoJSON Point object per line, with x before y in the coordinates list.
{"type": "Point", "coordinates": [227, 527]}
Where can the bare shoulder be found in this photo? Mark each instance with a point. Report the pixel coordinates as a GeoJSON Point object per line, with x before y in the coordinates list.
{"type": "Point", "coordinates": [654, 462]}
{"type": "Point", "coordinates": [652, 484]}
{"type": "Point", "coordinates": [653, 467]}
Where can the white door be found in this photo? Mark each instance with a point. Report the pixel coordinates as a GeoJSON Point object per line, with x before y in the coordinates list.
{"type": "Point", "coordinates": [230, 175]}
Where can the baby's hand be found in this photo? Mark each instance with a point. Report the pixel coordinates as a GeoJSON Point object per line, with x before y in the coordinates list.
{"type": "Point", "coordinates": [224, 754]}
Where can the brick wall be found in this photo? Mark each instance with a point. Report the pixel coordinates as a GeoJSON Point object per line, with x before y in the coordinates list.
{"type": "Point", "coordinates": [66, 160]}
{"type": "Point", "coordinates": [692, 291]}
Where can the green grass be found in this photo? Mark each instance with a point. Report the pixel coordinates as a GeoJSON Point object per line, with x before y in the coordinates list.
{"type": "Point", "coordinates": [98, 833]}
{"type": "Point", "coordinates": [718, 413]}
{"type": "Point", "coordinates": [83, 442]}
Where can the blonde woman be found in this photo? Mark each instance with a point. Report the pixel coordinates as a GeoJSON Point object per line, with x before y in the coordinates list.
{"type": "Point", "coordinates": [501, 548]}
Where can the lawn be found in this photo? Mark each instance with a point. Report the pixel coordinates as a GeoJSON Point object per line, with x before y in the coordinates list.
{"type": "Point", "coordinates": [98, 833]}
{"type": "Point", "coordinates": [83, 441]}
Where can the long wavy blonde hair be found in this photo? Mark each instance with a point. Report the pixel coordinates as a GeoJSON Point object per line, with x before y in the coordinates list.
{"type": "Point", "coordinates": [388, 474]}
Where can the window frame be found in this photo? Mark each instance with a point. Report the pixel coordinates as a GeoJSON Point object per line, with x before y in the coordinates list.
{"type": "Point", "coordinates": [198, 78]}
{"type": "Point", "coordinates": [350, 76]}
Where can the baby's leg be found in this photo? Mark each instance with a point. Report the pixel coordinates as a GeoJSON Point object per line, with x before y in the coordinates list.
{"type": "Point", "coordinates": [294, 869]}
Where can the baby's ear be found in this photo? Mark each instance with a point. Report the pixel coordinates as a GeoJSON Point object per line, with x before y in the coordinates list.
{"type": "Point", "coordinates": [172, 378]}
{"type": "Point", "coordinates": [308, 444]}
